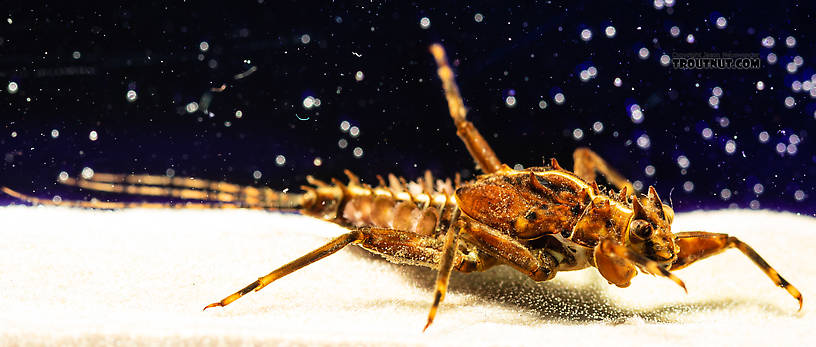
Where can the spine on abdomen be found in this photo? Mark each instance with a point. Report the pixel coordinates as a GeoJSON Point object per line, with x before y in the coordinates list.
{"type": "Point", "coordinates": [402, 206]}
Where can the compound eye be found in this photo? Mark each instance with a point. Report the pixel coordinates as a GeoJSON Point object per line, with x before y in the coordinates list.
{"type": "Point", "coordinates": [641, 229]}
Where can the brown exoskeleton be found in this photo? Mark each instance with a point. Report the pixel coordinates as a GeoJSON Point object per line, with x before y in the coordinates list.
{"type": "Point", "coordinates": [539, 220]}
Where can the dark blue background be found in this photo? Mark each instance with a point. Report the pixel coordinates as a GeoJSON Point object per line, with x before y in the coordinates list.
{"type": "Point", "coordinates": [532, 50]}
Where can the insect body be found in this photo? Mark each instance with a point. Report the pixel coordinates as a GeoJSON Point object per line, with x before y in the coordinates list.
{"type": "Point", "coordinates": [539, 220]}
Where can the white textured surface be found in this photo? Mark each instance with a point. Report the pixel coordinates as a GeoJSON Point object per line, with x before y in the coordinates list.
{"type": "Point", "coordinates": [140, 277]}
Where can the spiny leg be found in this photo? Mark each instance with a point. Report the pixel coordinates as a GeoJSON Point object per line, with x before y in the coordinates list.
{"type": "Point", "coordinates": [476, 144]}
{"type": "Point", "coordinates": [162, 180]}
{"type": "Point", "coordinates": [698, 245]}
{"type": "Point", "coordinates": [445, 267]}
{"type": "Point", "coordinates": [395, 245]}
{"type": "Point", "coordinates": [587, 163]}
{"type": "Point", "coordinates": [326, 250]}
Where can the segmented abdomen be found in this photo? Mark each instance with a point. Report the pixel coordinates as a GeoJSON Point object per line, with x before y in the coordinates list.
{"type": "Point", "coordinates": [420, 207]}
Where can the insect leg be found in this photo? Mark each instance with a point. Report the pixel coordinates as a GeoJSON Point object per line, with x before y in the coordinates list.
{"type": "Point", "coordinates": [324, 251]}
{"type": "Point", "coordinates": [540, 266]}
{"type": "Point", "coordinates": [587, 163]}
{"type": "Point", "coordinates": [612, 258]}
{"type": "Point", "coordinates": [445, 267]}
{"type": "Point", "coordinates": [476, 144]}
{"type": "Point", "coordinates": [699, 245]}
{"type": "Point", "coordinates": [397, 246]}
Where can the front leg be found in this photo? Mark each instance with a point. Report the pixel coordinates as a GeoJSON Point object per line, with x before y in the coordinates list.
{"type": "Point", "coordinates": [698, 245]}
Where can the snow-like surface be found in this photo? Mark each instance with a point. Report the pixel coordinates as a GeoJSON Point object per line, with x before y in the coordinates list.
{"type": "Point", "coordinates": [138, 277]}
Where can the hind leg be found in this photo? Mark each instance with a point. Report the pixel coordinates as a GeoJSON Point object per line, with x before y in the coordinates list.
{"type": "Point", "coordinates": [476, 144]}
{"type": "Point", "coordinates": [397, 246]}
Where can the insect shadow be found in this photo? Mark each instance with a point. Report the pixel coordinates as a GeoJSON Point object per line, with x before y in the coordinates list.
{"type": "Point", "coordinates": [558, 301]}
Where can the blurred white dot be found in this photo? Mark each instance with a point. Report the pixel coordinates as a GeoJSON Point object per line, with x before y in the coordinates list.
{"type": "Point", "coordinates": [342, 143]}
{"type": "Point", "coordinates": [518, 167]}
{"type": "Point", "coordinates": [256, 174]}
{"type": "Point", "coordinates": [799, 195]}
{"type": "Point", "coordinates": [425, 23]}
{"type": "Point", "coordinates": [170, 172]}
{"type": "Point", "coordinates": [724, 122]}
{"type": "Point", "coordinates": [54, 133]}
{"type": "Point", "coordinates": [764, 137]}
{"type": "Point", "coordinates": [12, 87]}
{"type": "Point", "coordinates": [688, 186]}
{"type": "Point", "coordinates": [717, 91]}
{"type": "Point", "coordinates": [768, 42]}
{"type": "Point", "coordinates": [754, 204]}
{"type": "Point", "coordinates": [760, 85]}
{"type": "Point", "coordinates": [358, 152]}
{"type": "Point", "coordinates": [13, 134]}
{"type": "Point", "coordinates": [239, 114]}
{"type": "Point", "coordinates": [578, 134]}
{"type": "Point", "coordinates": [359, 76]}
{"type": "Point", "coordinates": [584, 75]}
{"type": "Point", "coordinates": [305, 38]}
{"type": "Point", "coordinates": [772, 58]}
{"type": "Point", "coordinates": [794, 139]}
{"type": "Point", "coordinates": [76, 55]}
{"type": "Point", "coordinates": [610, 31]}
{"type": "Point", "coordinates": [204, 46]}
{"type": "Point", "coordinates": [730, 147]}
{"type": "Point", "coordinates": [593, 71]}
{"type": "Point", "coordinates": [354, 131]}
{"type": "Point", "coordinates": [665, 60]}
{"type": "Point", "coordinates": [683, 162]}
{"type": "Point", "coordinates": [796, 86]}
{"type": "Point", "coordinates": [790, 102]}
{"type": "Point", "coordinates": [781, 148]}
{"type": "Point", "coordinates": [669, 3]}
{"type": "Point", "coordinates": [559, 98]}
{"type": "Point", "coordinates": [63, 176]}
{"type": "Point", "coordinates": [317, 161]}
{"type": "Point", "coordinates": [93, 135]}
{"type": "Point", "coordinates": [658, 4]}
{"type": "Point", "coordinates": [597, 127]}
{"type": "Point", "coordinates": [790, 41]}
{"type": "Point", "coordinates": [674, 31]}
{"type": "Point", "coordinates": [191, 107]}
{"type": "Point", "coordinates": [87, 173]}
{"type": "Point", "coordinates": [617, 82]}
{"type": "Point", "coordinates": [644, 142]}
{"type": "Point", "coordinates": [344, 126]}
{"type": "Point", "coordinates": [649, 170]}
{"type": "Point", "coordinates": [690, 38]}
{"type": "Point", "coordinates": [798, 60]}
{"type": "Point", "coordinates": [643, 53]}
{"type": "Point", "coordinates": [721, 22]}
{"type": "Point", "coordinates": [586, 35]}
{"type": "Point", "coordinates": [131, 95]}
{"type": "Point", "coordinates": [725, 194]}
{"type": "Point", "coordinates": [280, 160]}
{"type": "Point", "coordinates": [638, 185]}
{"type": "Point", "coordinates": [542, 104]}
{"type": "Point", "coordinates": [308, 102]}
{"type": "Point", "coordinates": [791, 67]}
{"type": "Point", "coordinates": [791, 149]}
{"type": "Point", "coordinates": [510, 101]}
{"type": "Point", "coordinates": [478, 17]}
{"type": "Point", "coordinates": [758, 188]}
{"type": "Point", "coordinates": [714, 101]}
